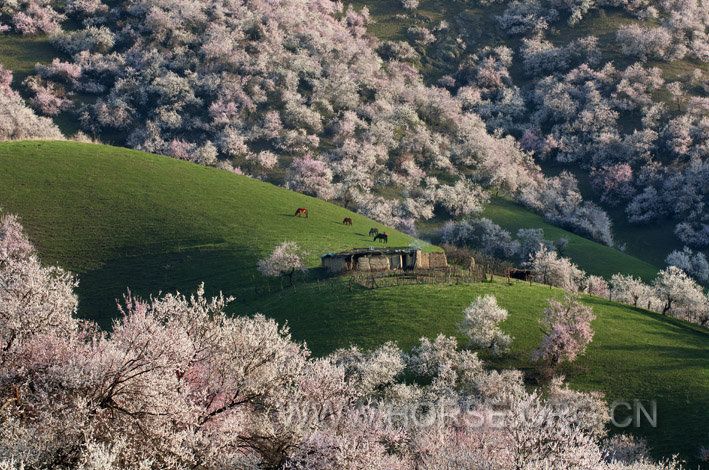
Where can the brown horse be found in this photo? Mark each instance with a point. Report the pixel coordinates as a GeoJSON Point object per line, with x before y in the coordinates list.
{"type": "Point", "coordinates": [347, 221]}
{"type": "Point", "coordinates": [301, 212]}
{"type": "Point", "coordinates": [373, 232]}
{"type": "Point", "coordinates": [383, 237]}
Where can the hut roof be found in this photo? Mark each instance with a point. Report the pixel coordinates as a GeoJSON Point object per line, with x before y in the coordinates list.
{"type": "Point", "coordinates": [373, 251]}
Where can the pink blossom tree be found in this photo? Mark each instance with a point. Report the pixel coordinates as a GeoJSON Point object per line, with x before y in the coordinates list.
{"type": "Point", "coordinates": [614, 182]}
{"type": "Point", "coordinates": [48, 99]}
{"type": "Point", "coordinates": [310, 176]}
{"type": "Point", "coordinates": [567, 326]}
{"type": "Point", "coordinates": [35, 17]}
{"type": "Point", "coordinates": [596, 285]}
{"type": "Point", "coordinates": [17, 121]}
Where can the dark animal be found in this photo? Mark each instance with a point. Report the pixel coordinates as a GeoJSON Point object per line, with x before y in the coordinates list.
{"type": "Point", "coordinates": [373, 232]}
{"type": "Point", "coordinates": [301, 212]}
{"type": "Point", "coordinates": [521, 274]}
{"type": "Point", "coordinates": [383, 237]}
{"type": "Point", "coordinates": [347, 221]}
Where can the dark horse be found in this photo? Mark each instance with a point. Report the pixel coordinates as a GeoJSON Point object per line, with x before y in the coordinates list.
{"type": "Point", "coordinates": [301, 212]}
{"type": "Point", "coordinates": [381, 236]}
{"type": "Point", "coordinates": [373, 232]}
{"type": "Point", "coordinates": [347, 221]}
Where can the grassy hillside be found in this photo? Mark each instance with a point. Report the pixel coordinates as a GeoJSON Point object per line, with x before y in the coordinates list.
{"type": "Point", "coordinates": [635, 354]}
{"type": "Point", "coordinates": [21, 53]}
{"type": "Point", "coordinates": [122, 218]}
{"type": "Point", "coordinates": [591, 256]}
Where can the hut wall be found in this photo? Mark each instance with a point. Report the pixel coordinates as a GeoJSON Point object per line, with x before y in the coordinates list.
{"type": "Point", "coordinates": [422, 260]}
{"type": "Point", "coordinates": [437, 260]}
{"type": "Point", "coordinates": [395, 262]}
{"type": "Point", "coordinates": [334, 264]}
{"type": "Point", "coordinates": [379, 263]}
{"type": "Point", "coordinates": [362, 264]}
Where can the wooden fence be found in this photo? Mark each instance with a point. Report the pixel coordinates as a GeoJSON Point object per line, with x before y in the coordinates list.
{"type": "Point", "coordinates": [376, 280]}
{"type": "Point", "coordinates": [476, 272]}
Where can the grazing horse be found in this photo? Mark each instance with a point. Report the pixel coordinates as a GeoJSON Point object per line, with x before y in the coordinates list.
{"type": "Point", "coordinates": [383, 237]}
{"type": "Point", "coordinates": [347, 221]}
{"type": "Point", "coordinates": [301, 212]}
{"type": "Point", "coordinates": [373, 232]}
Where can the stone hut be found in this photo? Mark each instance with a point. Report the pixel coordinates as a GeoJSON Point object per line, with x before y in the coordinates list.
{"type": "Point", "coordinates": [387, 259]}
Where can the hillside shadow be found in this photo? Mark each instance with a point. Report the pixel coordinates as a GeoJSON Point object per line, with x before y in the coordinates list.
{"type": "Point", "coordinates": [230, 270]}
{"type": "Point", "coordinates": [672, 324]}
{"type": "Point", "coordinates": [683, 354]}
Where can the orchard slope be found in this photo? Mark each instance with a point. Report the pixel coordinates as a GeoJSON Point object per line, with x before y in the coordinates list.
{"type": "Point", "coordinates": [121, 218]}
{"type": "Point", "coordinates": [126, 219]}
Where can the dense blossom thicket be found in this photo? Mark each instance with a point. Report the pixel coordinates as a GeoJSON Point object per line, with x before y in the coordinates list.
{"type": "Point", "coordinates": [178, 383]}
{"type": "Point", "coordinates": [17, 121]}
{"type": "Point", "coordinates": [296, 91]}
{"type": "Point", "coordinates": [634, 126]}
{"type": "Point", "coordinates": [490, 239]}
{"type": "Point", "coordinates": [261, 87]}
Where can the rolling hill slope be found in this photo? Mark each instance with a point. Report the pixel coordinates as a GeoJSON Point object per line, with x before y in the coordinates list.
{"type": "Point", "coordinates": [591, 256]}
{"type": "Point", "coordinates": [123, 218]}
{"type": "Point", "coordinates": [647, 246]}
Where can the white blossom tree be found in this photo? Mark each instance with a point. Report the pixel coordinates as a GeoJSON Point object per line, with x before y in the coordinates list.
{"type": "Point", "coordinates": [680, 295]}
{"type": "Point", "coordinates": [285, 260]}
{"type": "Point", "coordinates": [34, 300]}
{"type": "Point", "coordinates": [631, 290]}
{"type": "Point", "coordinates": [481, 324]}
{"type": "Point", "coordinates": [693, 263]}
{"type": "Point", "coordinates": [549, 268]}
